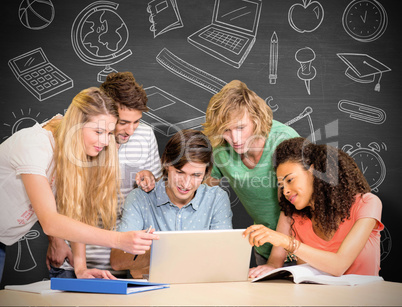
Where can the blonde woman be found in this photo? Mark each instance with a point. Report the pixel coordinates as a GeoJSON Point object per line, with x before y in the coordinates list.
{"type": "Point", "coordinates": [244, 135]}
{"type": "Point", "coordinates": [69, 157]}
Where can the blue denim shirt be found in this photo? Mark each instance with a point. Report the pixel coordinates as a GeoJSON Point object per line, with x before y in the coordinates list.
{"type": "Point", "coordinates": [209, 209]}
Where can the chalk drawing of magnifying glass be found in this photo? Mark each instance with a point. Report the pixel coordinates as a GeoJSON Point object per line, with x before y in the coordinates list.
{"type": "Point", "coordinates": [25, 263]}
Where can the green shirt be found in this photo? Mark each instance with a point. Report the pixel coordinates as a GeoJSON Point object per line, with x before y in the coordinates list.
{"type": "Point", "coordinates": [256, 188]}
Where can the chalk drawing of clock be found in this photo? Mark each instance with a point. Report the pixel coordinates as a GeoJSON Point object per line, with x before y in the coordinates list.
{"type": "Point", "coordinates": [365, 20]}
{"type": "Point", "coordinates": [369, 161]}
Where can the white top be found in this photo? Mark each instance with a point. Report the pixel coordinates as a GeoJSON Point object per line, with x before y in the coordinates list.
{"type": "Point", "coordinates": [28, 151]}
{"type": "Point", "coordinates": [139, 153]}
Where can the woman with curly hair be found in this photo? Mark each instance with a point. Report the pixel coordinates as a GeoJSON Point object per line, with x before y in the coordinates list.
{"type": "Point", "coordinates": [329, 219]}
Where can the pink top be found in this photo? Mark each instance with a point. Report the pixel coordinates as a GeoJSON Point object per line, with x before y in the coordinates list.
{"type": "Point", "coordinates": [368, 261]}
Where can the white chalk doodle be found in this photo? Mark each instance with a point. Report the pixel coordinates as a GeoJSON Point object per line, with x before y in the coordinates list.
{"type": "Point", "coordinates": [99, 36]}
{"type": "Point", "coordinates": [189, 72]}
{"type": "Point", "coordinates": [369, 161]}
{"type": "Point", "coordinates": [273, 58]}
{"type": "Point", "coordinates": [307, 72]}
{"type": "Point", "coordinates": [363, 112]}
{"type": "Point", "coordinates": [164, 16]}
{"type": "Point", "coordinates": [25, 120]}
{"type": "Point", "coordinates": [363, 68]}
{"type": "Point", "coordinates": [274, 107]}
{"type": "Point", "coordinates": [40, 77]}
{"type": "Point", "coordinates": [386, 243]}
{"type": "Point", "coordinates": [25, 260]}
{"type": "Point", "coordinates": [36, 14]}
{"type": "Point", "coordinates": [163, 111]}
{"type": "Point", "coordinates": [365, 20]}
{"type": "Point", "coordinates": [232, 33]}
{"type": "Point", "coordinates": [306, 17]}
{"type": "Point", "coordinates": [306, 113]}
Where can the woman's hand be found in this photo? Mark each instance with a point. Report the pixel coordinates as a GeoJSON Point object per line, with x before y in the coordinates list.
{"type": "Point", "coordinates": [260, 270]}
{"type": "Point", "coordinates": [135, 242]}
{"type": "Point", "coordinates": [145, 180]}
{"type": "Point", "coordinates": [259, 235]}
{"type": "Point", "coordinates": [94, 273]}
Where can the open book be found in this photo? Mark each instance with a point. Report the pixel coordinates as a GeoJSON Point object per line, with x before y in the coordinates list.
{"type": "Point", "coordinates": [304, 273]}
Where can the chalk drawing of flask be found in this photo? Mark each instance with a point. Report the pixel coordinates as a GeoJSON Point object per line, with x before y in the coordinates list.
{"type": "Point", "coordinates": [307, 72]}
{"type": "Point", "coordinates": [25, 263]}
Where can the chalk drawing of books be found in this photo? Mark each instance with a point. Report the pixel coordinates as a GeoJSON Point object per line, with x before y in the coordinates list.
{"type": "Point", "coordinates": [168, 114]}
{"type": "Point", "coordinates": [232, 32]}
{"type": "Point", "coordinates": [164, 16]}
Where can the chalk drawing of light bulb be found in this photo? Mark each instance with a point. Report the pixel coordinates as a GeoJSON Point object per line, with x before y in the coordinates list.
{"type": "Point", "coordinates": [24, 262]}
{"type": "Point", "coordinates": [307, 72]}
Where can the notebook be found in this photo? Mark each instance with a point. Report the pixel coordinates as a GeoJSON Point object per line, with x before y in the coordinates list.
{"type": "Point", "coordinates": [232, 32]}
{"type": "Point", "coordinates": [97, 285]}
{"type": "Point", "coordinates": [200, 256]}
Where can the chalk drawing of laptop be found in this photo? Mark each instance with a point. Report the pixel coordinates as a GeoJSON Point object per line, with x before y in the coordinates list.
{"type": "Point", "coordinates": [232, 33]}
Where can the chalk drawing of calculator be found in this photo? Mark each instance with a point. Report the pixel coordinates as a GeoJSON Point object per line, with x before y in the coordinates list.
{"type": "Point", "coordinates": [40, 77]}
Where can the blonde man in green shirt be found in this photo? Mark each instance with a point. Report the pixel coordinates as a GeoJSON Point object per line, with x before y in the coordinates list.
{"type": "Point", "coordinates": [244, 136]}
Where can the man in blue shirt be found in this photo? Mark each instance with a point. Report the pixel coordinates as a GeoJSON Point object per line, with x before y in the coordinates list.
{"type": "Point", "coordinates": [179, 201]}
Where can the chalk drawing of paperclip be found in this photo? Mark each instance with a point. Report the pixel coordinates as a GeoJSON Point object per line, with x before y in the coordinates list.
{"type": "Point", "coordinates": [23, 249]}
{"type": "Point", "coordinates": [363, 112]}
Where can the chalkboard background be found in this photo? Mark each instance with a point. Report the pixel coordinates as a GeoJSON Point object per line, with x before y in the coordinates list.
{"type": "Point", "coordinates": [342, 105]}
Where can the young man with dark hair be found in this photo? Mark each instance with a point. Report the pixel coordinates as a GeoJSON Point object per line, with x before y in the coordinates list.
{"type": "Point", "coordinates": [179, 201]}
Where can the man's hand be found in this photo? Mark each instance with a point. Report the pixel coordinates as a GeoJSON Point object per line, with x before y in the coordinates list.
{"type": "Point", "coordinates": [145, 180]}
{"type": "Point", "coordinates": [57, 252]}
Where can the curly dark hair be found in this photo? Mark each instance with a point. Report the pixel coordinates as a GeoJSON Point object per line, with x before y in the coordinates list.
{"type": "Point", "coordinates": [337, 181]}
{"type": "Point", "coordinates": [125, 91]}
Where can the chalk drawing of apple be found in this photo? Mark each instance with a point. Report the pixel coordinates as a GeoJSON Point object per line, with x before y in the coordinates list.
{"type": "Point", "coordinates": [306, 16]}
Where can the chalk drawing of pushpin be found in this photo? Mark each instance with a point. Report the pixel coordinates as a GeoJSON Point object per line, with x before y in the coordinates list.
{"type": "Point", "coordinates": [28, 263]}
{"type": "Point", "coordinates": [307, 72]}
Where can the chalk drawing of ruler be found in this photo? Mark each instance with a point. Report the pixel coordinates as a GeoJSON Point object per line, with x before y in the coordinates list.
{"type": "Point", "coordinates": [189, 72]}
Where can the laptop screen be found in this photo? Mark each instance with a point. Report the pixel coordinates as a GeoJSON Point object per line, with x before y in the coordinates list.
{"type": "Point", "coordinates": [241, 14]}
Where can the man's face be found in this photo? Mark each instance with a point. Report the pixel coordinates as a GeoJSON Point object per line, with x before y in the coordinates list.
{"type": "Point", "coordinates": [182, 184]}
{"type": "Point", "coordinates": [129, 119]}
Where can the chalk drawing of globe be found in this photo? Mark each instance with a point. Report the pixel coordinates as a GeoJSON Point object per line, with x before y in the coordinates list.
{"type": "Point", "coordinates": [99, 36]}
{"type": "Point", "coordinates": [104, 33]}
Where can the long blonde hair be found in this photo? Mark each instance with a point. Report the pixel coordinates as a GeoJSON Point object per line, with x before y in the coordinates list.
{"type": "Point", "coordinates": [231, 103]}
{"type": "Point", "coordinates": [86, 187]}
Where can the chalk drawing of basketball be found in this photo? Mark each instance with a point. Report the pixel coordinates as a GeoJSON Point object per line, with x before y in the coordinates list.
{"type": "Point", "coordinates": [36, 14]}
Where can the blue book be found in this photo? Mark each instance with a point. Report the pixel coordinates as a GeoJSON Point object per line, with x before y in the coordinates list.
{"type": "Point", "coordinates": [98, 285]}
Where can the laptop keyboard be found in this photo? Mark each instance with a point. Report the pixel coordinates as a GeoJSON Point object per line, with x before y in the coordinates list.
{"type": "Point", "coordinates": [223, 39]}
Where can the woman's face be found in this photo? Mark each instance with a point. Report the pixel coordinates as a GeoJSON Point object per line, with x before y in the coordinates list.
{"type": "Point", "coordinates": [97, 132]}
{"type": "Point", "coordinates": [240, 133]}
{"type": "Point", "coordinates": [296, 184]}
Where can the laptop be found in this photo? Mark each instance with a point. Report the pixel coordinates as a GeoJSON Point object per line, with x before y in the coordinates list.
{"type": "Point", "coordinates": [200, 256]}
{"type": "Point", "coordinates": [232, 33]}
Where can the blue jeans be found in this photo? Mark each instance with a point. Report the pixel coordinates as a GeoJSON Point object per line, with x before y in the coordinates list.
{"type": "Point", "coordinates": [61, 273]}
{"type": "Point", "coordinates": [2, 258]}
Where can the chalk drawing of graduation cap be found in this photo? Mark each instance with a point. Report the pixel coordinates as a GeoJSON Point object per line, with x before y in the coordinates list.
{"type": "Point", "coordinates": [363, 68]}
